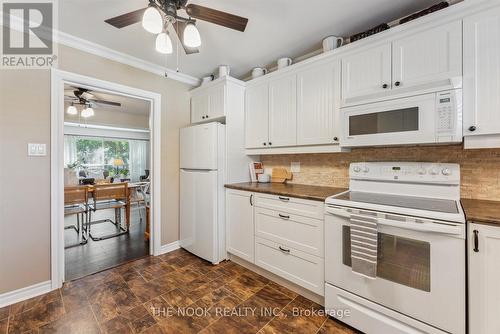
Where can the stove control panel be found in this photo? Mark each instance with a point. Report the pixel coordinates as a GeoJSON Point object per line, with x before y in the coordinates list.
{"type": "Point", "coordinates": [418, 172]}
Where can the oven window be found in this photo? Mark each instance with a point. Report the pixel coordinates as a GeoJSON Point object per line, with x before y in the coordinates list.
{"type": "Point", "coordinates": [400, 260]}
{"type": "Point", "coordinates": [400, 120]}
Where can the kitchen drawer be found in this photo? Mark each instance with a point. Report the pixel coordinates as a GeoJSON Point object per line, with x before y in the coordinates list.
{"type": "Point", "coordinates": [302, 233]}
{"type": "Point", "coordinates": [303, 269]}
{"type": "Point", "coordinates": [291, 205]}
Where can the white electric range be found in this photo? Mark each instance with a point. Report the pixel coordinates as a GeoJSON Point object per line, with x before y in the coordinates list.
{"type": "Point", "coordinates": [420, 283]}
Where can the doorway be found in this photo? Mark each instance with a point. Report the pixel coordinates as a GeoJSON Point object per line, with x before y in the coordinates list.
{"type": "Point", "coordinates": [105, 175]}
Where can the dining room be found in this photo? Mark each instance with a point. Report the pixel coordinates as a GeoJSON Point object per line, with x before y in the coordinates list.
{"type": "Point", "coordinates": [107, 180]}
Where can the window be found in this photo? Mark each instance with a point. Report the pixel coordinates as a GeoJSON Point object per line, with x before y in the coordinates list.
{"type": "Point", "coordinates": [97, 157]}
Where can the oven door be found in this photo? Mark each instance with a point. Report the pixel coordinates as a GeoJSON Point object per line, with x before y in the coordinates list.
{"type": "Point", "coordinates": [420, 266]}
{"type": "Point", "coordinates": [398, 122]}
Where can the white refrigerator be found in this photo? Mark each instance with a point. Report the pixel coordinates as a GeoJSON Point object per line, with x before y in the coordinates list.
{"type": "Point", "coordinates": [202, 196]}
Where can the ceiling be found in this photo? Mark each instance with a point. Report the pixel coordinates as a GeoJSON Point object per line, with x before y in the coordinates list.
{"type": "Point", "coordinates": [128, 105]}
{"type": "Point", "coordinates": [276, 28]}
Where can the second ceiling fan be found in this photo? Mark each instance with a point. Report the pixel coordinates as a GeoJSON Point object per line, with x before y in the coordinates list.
{"type": "Point", "coordinates": [161, 13]}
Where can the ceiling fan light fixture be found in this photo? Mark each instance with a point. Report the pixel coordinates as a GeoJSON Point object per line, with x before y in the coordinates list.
{"type": "Point", "coordinates": [192, 36]}
{"type": "Point", "coordinates": [152, 20]}
{"type": "Point", "coordinates": [164, 43]}
{"type": "Point", "coordinates": [72, 110]}
{"type": "Point", "coordinates": [87, 112]}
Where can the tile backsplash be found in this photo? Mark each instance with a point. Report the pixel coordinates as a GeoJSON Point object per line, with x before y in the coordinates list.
{"type": "Point", "coordinates": [480, 169]}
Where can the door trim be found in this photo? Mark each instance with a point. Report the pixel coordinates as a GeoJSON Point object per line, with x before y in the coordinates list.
{"type": "Point", "coordinates": [58, 79]}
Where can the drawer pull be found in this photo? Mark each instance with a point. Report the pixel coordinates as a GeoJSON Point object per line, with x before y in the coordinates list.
{"type": "Point", "coordinates": [286, 199]}
{"type": "Point", "coordinates": [283, 216]}
{"type": "Point", "coordinates": [284, 250]}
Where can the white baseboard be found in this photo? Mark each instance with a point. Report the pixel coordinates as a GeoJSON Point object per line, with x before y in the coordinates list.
{"type": "Point", "coordinates": [16, 296]}
{"type": "Point", "coordinates": [169, 247]}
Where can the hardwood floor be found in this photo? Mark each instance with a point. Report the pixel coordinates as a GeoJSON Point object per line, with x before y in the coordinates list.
{"type": "Point", "coordinates": [173, 293]}
{"type": "Point", "coordinates": [95, 256]}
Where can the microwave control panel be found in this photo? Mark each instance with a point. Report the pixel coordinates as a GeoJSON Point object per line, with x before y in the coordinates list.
{"type": "Point", "coordinates": [448, 115]}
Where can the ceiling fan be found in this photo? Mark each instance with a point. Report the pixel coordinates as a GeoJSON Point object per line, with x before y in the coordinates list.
{"type": "Point", "coordinates": [84, 97]}
{"type": "Point", "coordinates": [161, 13]}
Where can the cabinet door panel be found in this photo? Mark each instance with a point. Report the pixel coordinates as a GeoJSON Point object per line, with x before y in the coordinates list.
{"type": "Point", "coordinates": [367, 72]}
{"type": "Point", "coordinates": [240, 224]}
{"type": "Point", "coordinates": [199, 107]}
{"type": "Point", "coordinates": [481, 73]}
{"type": "Point", "coordinates": [431, 57]}
{"type": "Point", "coordinates": [484, 275]}
{"type": "Point", "coordinates": [217, 102]}
{"type": "Point", "coordinates": [257, 116]}
{"type": "Point", "coordinates": [283, 111]}
{"type": "Point", "coordinates": [317, 104]}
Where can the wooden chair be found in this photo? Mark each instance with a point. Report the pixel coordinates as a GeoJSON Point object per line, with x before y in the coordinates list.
{"type": "Point", "coordinates": [110, 196]}
{"type": "Point", "coordinates": [76, 203]}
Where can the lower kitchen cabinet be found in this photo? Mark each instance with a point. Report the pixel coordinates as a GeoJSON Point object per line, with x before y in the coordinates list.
{"type": "Point", "coordinates": [240, 239]}
{"type": "Point", "coordinates": [484, 278]}
{"type": "Point", "coordinates": [283, 235]}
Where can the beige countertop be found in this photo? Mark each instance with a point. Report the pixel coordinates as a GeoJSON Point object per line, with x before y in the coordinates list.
{"type": "Point", "coordinates": [315, 193]}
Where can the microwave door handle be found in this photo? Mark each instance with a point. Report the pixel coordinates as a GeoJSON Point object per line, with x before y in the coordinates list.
{"type": "Point", "coordinates": [337, 212]}
{"type": "Point", "coordinates": [422, 227]}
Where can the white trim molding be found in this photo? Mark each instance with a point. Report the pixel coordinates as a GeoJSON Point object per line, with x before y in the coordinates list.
{"type": "Point", "coordinates": [78, 129]}
{"type": "Point", "coordinates": [59, 78]}
{"type": "Point", "coordinates": [16, 296]}
{"type": "Point", "coordinates": [170, 247]}
{"type": "Point", "coordinates": [105, 52]}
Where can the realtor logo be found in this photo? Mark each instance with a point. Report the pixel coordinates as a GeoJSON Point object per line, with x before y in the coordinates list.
{"type": "Point", "coordinates": [28, 34]}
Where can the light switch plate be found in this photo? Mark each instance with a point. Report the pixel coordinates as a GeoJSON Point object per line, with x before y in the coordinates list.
{"type": "Point", "coordinates": [295, 167]}
{"type": "Point", "coordinates": [37, 150]}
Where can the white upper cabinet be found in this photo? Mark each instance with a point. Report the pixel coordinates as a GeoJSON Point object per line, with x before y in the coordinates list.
{"type": "Point", "coordinates": [209, 103]}
{"type": "Point", "coordinates": [200, 105]}
{"type": "Point", "coordinates": [217, 97]}
{"type": "Point", "coordinates": [317, 104]}
{"type": "Point", "coordinates": [257, 115]}
{"type": "Point", "coordinates": [482, 75]}
{"type": "Point", "coordinates": [429, 58]}
{"type": "Point", "coordinates": [283, 111]}
{"type": "Point", "coordinates": [367, 72]}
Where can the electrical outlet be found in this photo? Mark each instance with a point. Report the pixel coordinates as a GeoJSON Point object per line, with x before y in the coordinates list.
{"type": "Point", "coordinates": [37, 150]}
{"type": "Point", "coordinates": [295, 167]}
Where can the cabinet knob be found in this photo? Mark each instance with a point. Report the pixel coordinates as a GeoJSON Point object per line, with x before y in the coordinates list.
{"type": "Point", "coordinates": [264, 144]}
{"type": "Point", "coordinates": [202, 117]}
{"type": "Point", "coordinates": [206, 116]}
{"type": "Point", "coordinates": [385, 86]}
{"type": "Point", "coordinates": [472, 128]}
{"type": "Point", "coordinates": [335, 139]}
{"type": "Point", "coordinates": [270, 143]}
{"type": "Point", "coordinates": [397, 83]}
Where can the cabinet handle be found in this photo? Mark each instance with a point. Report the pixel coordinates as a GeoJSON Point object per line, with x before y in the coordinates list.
{"type": "Point", "coordinates": [397, 83]}
{"type": "Point", "coordinates": [264, 144]}
{"type": "Point", "coordinates": [472, 128]}
{"type": "Point", "coordinates": [284, 250]}
{"type": "Point", "coordinates": [206, 116]}
{"type": "Point", "coordinates": [202, 117]}
{"type": "Point", "coordinates": [251, 200]}
{"type": "Point", "coordinates": [283, 216]}
{"type": "Point", "coordinates": [476, 241]}
{"type": "Point", "coordinates": [270, 143]}
{"type": "Point", "coordinates": [286, 199]}
{"type": "Point", "coordinates": [335, 138]}
{"type": "Point", "coordinates": [385, 86]}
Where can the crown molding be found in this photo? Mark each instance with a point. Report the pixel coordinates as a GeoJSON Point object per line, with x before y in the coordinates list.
{"type": "Point", "coordinates": [105, 52]}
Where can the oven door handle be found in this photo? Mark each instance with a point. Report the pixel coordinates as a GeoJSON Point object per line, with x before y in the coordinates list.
{"type": "Point", "coordinates": [337, 212]}
{"type": "Point", "coordinates": [422, 227]}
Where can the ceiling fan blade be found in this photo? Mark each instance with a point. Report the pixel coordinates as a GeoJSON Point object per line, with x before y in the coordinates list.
{"type": "Point", "coordinates": [110, 103]}
{"type": "Point", "coordinates": [217, 17]}
{"type": "Point", "coordinates": [126, 19]}
{"type": "Point", "coordinates": [179, 27]}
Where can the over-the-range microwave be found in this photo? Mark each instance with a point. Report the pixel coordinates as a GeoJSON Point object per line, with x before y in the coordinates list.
{"type": "Point", "coordinates": [434, 118]}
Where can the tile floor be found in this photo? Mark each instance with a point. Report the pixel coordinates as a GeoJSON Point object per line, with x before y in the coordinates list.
{"type": "Point", "coordinates": [173, 293]}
